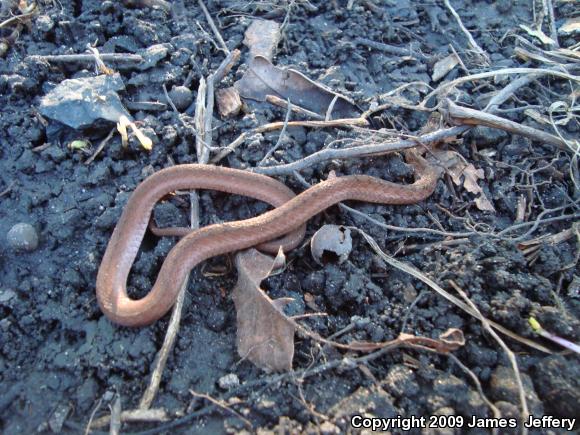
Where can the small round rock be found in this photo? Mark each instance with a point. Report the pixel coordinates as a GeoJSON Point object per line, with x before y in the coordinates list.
{"type": "Point", "coordinates": [22, 237]}
{"type": "Point", "coordinates": [229, 381]}
{"type": "Point", "coordinates": [181, 96]}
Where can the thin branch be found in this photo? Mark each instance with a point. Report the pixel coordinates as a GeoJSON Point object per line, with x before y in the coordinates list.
{"type": "Point", "coordinates": [474, 45]}
{"type": "Point", "coordinates": [511, 357]}
{"type": "Point", "coordinates": [89, 58]}
{"type": "Point", "coordinates": [214, 29]}
{"type": "Point", "coordinates": [361, 151]}
{"type": "Point", "coordinates": [454, 300]}
{"type": "Point", "coordinates": [466, 116]}
{"type": "Point", "coordinates": [280, 136]}
{"type": "Point", "coordinates": [507, 71]}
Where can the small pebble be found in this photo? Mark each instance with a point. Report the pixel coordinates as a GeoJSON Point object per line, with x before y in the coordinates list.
{"type": "Point", "coordinates": [23, 237]}
{"type": "Point", "coordinates": [229, 381]}
{"type": "Point", "coordinates": [181, 97]}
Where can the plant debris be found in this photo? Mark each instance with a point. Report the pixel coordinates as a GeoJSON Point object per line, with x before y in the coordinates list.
{"type": "Point", "coordinates": [263, 78]}
{"type": "Point", "coordinates": [466, 175]}
{"type": "Point", "coordinates": [265, 334]}
{"type": "Point", "coordinates": [262, 37]}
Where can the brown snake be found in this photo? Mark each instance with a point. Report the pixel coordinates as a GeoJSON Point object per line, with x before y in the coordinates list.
{"type": "Point", "coordinates": [288, 218]}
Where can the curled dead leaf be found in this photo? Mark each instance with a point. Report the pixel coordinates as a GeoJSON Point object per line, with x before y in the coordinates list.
{"type": "Point", "coordinates": [262, 37]}
{"type": "Point", "coordinates": [458, 168]}
{"type": "Point", "coordinates": [263, 78]}
{"type": "Point", "coordinates": [265, 334]}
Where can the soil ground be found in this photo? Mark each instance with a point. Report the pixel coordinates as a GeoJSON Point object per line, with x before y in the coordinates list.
{"type": "Point", "coordinates": [60, 356]}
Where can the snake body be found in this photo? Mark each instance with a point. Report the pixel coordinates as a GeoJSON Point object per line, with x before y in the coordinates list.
{"type": "Point", "coordinates": [287, 219]}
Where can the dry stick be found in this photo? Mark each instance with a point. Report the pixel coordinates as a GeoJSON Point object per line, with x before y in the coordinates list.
{"type": "Point", "coordinates": [101, 146]}
{"type": "Point", "coordinates": [472, 42]}
{"type": "Point", "coordinates": [8, 189]}
{"type": "Point", "coordinates": [203, 118]}
{"type": "Point", "coordinates": [214, 29]}
{"type": "Point", "coordinates": [280, 136]}
{"type": "Point", "coordinates": [496, 412]}
{"type": "Point", "coordinates": [170, 336]}
{"type": "Point", "coordinates": [135, 415]}
{"type": "Point", "coordinates": [508, 91]}
{"type": "Point", "coordinates": [115, 424]}
{"type": "Point", "coordinates": [419, 275]}
{"type": "Point", "coordinates": [277, 101]}
{"type": "Point", "coordinates": [390, 49]}
{"type": "Point", "coordinates": [17, 19]}
{"type": "Point", "coordinates": [346, 122]}
{"type": "Point", "coordinates": [230, 60]}
{"type": "Point", "coordinates": [330, 108]}
{"type": "Point", "coordinates": [549, 8]}
{"type": "Point", "coordinates": [427, 139]}
{"type": "Point", "coordinates": [223, 406]}
{"type": "Point", "coordinates": [467, 116]}
{"type": "Point", "coordinates": [361, 151]}
{"type": "Point", "coordinates": [505, 71]}
{"type": "Point", "coordinates": [89, 58]}
{"type": "Point", "coordinates": [512, 358]}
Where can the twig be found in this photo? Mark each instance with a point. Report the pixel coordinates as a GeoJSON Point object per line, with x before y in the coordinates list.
{"type": "Point", "coordinates": [115, 423]}
{"type": "Point", "coordinates": [199, 120]}
{"type": "Point", "coordinates": [508, 91]}
{"type": "Point", "coordinates": [512, 358]}
{"type": "Point", "coordinates": [419, 275]}
{"type": "Point", "coordinates": [328, 116]}
{"type": "Point", "coordinates": [17, 19]}
{"type": "Point", "coordinates": [506, 71]}
{"type": "Point", "coordinates": [226, 65]}
{"type": "Point", "coordinates": [89, 58]}
{"type": "Point", "coordinates": [475, 380]}
{"type": "Point", "coordinates": [136, 415]}
{"type": "Point", "coordinates": [361, 151]}
{"type": "Point", "coordinates": [163, 354]}
{"type": "Point", "coordinates": [535, 325]}
{"type": "Point", "coordinates": [273, 99]}
{"type": "Point", "coordinates": [346, 122]}
{"type": "Point", "coordinates": [101, 146]}
{"type": "Point", "coordinates": [91, 418]}
{"type": "Point", "coordinates": [549, 8]}
{"type": "Point", "coordinates": [466, 116]}
{"type": "Point", "coordinates": [474, 45]}
{"type": "Point", "coordinates": [390, 49]}
{"type": "Point", "coordinates": [223, 406]}
{"type": "Point", "coordinates": [214, 29]}
{"type": "Point", "coordinates": [280, 136]}
{"type": "Point", "coordinates": [8, 189]}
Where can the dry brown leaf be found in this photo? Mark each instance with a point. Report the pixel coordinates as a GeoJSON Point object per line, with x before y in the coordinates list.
{"type": "Point", "coordinates": [443, 66]}
{"type": "Point", "coordinates": [265, 334]}
{"type": "Point", "coordinates": [458, 168]}
{"type": "Point", "coordinates": [262, 37]}
{"type": "Point", "coordinates": [263, 78]}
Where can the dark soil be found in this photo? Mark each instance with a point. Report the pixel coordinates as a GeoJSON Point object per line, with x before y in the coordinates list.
{"type": "Point", "coordinates": [60, 356]}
